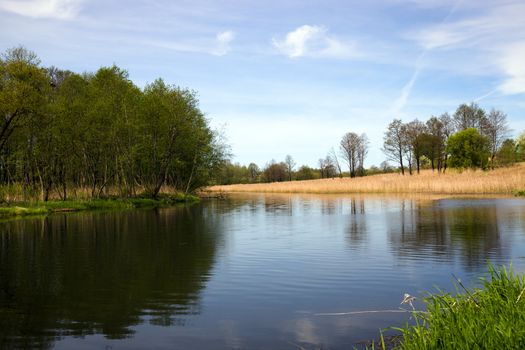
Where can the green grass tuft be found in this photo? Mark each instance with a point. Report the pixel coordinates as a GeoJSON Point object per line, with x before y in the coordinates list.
{"type": "Point", "coordinates": [492, 317]}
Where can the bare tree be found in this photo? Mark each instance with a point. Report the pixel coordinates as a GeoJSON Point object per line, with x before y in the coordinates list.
{"type": "Point", "coordinates": [469, 116]}
{"type": "Point", "coordinates": [327, 167]}
{"type": "Point", "coordinates": [354, 149]}
{"type": "Point", "coordinates": [290, 164]}
{"type": "Point", "coordinates": [362, 151]}
{"type": "Point", "coordinates": [448, 130]}
{"type": "Point", "coordinates": [497, 130]}
{"type": "Point", "coordinates": [394, 143]}
{"type": "Point", "coordinates": [275, 172]}
{"type": "Point", "coordinates": [348, 145]}
{"type": "Point", "coordinates": [333, 155]}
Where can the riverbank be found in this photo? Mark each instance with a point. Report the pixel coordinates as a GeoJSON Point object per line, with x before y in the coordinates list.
{"type": "Point", "coordinates": [57, 206]}
{"type": "Point", "coordinates": [507, 181]}
{"type": "Point", "coordinates": [491, 317]}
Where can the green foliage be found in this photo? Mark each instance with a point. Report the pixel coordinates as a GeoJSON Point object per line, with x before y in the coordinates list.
{"type": "Point", "coordinates": [507, 153]}
{"type": "Point", "coordinates": [307, 173]}
{"type": "Point", "coordinates": [489, 318]}
{"type": "Point", "coordinates": [234, 173]}
{"type": "Point", "coordinates": [520, 144]}
{"type": "Point", "coordinates": [468, 149]}
{"type": "Point", "coordinates": [98, 131]}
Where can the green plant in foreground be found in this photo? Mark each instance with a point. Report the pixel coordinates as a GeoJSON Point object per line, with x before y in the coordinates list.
{"type": "Point", "coordinates": [491, 317]}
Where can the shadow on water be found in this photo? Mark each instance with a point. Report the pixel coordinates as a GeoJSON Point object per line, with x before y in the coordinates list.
{"type": "Point", "coordinates": [90, 273]}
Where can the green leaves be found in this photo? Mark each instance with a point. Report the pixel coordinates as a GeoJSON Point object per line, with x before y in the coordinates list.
{"type": "Point", "coordinates": [468, 149]}
{"type": "Point", "coordinates": [99, 131]}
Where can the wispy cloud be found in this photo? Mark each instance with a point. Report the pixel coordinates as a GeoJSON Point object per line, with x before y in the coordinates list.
{"type": "Point", "coordinates": [224, 40]}
{"type": "Point", "coordinates": [218, 46]}
{"type": "Point", "coordinates": [59, 9]}
{"type": "Point", "coordinates": [498, 34]}
{"type": "Point", "coordinates": [313, 41]}
{"type": "Point", "coordinates": [401, 101]}
{"type": "Point", "coordinates": [513, 66]}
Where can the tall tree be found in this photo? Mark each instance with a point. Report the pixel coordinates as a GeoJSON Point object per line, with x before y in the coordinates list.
{"type": "Point", "coordinates": [416, 140]}
{"type": "Point", "coordinates": [496, 130]}
{"type": "Point", "coordinates": [354, 149]}
{"type": "Point", "coordinates": [362, 151]}
{"type": "Point", "coordinates": [469, 116]}
{"type": "Point", "coordinates": [349, 144]}
{"type": "Point", "coordinates": [24, 88]}
{"type": "Point", "coordinates": [290, 164]}
{"type": "Point", "coordinates": [254, 172]}
{"type": "Point", "coordinates": [394, 143]}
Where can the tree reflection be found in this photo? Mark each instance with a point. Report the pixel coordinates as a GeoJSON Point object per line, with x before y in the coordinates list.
{"type": "Point", "coordinates": [445, 231]}
{"type": "Point", "coordinates": [102, 273]}
{"type": "Point", "coordinates": [356, 225]}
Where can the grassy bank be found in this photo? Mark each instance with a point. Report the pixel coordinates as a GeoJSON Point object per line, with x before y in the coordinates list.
{"type": "Point", "coordinates": [55, 206]}
{"type": "Point", "coordinates": [499, 181]}
{"type": "Point", "coordinates": [491, 317]}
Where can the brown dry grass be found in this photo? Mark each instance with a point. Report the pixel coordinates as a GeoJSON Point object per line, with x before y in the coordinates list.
{"type": "Point", "coordinates": [499, 181]}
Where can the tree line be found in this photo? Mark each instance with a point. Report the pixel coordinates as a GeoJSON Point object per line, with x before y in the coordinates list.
{"type": "Point", "coordinates": [62, 131]}
{"type": "Point", "coordinates": [469, 138]}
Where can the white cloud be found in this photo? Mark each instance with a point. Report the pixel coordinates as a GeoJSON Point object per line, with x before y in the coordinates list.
{"type": "Point", "coordinates": [313, 41]}
{"type": "Point", "coordinates": [60, 9]}
{"type": "Point", "coordinates": [224, 40]}
{"type": "Point", "coordinates": [513, 66]}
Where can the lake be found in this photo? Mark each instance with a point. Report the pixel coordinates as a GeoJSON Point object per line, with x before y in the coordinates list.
{"type": "Point", "coordinates": [248, 272]}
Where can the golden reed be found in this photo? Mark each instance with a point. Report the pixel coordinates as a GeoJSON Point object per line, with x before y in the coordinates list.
{"type": "Point", "coordinates": [498, 181]}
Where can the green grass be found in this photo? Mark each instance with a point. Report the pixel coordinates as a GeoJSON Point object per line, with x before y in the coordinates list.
{"type": "Point", "coordinates": [520, 193]}
{"type": "Point", "coordinates": [44, 208]}
{"type": "Point", "coordinates": [491, 317]}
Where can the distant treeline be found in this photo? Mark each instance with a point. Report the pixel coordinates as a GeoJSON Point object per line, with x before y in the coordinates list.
{"type": "Point", "coordinates": [61, 130]}
{"type": "Point", "coordinates": [470, 138]}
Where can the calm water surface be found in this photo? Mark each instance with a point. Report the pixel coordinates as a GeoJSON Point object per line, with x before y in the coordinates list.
{"type": "Point", "coordinates": [249, 272]}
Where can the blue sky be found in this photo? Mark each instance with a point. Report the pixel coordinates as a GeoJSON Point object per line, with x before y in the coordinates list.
{"type": "Point", "coordinates": [291, 77]}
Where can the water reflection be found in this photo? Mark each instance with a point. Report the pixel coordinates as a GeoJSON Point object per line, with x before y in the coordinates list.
{"type": "Point", "coordinates": [102, 273]}
{"type": "Point", "coordinates": [251, 271]}
{"type": "Point", "coordinates": [448, 230]}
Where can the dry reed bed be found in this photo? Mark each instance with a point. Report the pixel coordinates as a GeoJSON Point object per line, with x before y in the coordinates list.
{"type": "Point", "coordinates": [499, 181]}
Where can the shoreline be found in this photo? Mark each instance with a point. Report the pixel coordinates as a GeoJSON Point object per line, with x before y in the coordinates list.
{"type": "Point", "coordinates": [501, 182]}
{"type": "Point", "coordinates": [40, 208]}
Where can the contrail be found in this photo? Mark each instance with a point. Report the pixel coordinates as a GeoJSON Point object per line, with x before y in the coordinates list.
{"type": "Point", "coordinates": [407, 88]}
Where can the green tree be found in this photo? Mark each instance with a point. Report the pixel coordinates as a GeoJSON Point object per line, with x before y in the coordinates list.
{"type": "Point", "coordinates": [520, 144]}
{"type": "Point", "coordinates": [468, 149]}
{"type": "Point", "coordinates": [24, 91]}
{"type": "Point", "coordinates": [507, 153]}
